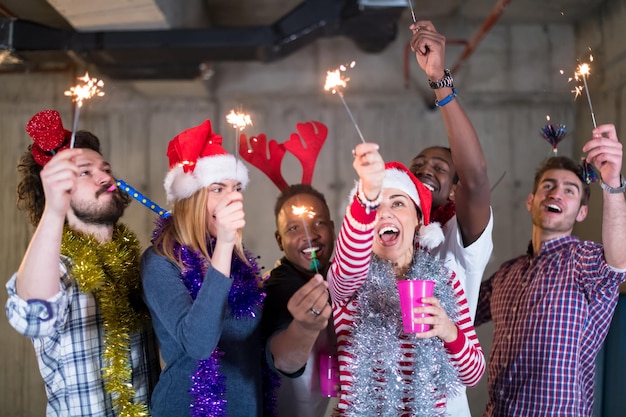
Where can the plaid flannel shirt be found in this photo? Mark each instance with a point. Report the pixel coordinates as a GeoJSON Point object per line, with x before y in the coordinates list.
{"type": "Point", "coordinates": [67, 333]}
{"type": "Point", "coordinates": [551, 314]}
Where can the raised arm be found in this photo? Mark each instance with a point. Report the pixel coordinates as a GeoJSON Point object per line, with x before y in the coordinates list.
{"type": "Point", "coordinates": [472, 195]}
{"type": "Point", "coordinates": [354, 244]}
{"type": "Point", "coordinates": [38, 274]}
{"type": "Point", "coordinates": [605, 152]}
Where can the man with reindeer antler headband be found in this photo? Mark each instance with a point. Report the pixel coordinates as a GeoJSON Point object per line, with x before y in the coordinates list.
{"type": "Point", "coordinates": [77, 293]}
{"type": "Point", "coordinates": [297, 313]}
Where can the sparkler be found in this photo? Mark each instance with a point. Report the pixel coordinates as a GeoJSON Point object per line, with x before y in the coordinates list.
{"type": "Point", "coordinates": [80, 92]}
{"type": "Point", "coordinates": [239, 121]}
{"type": "Point", "coordinates": [335, 83]}
{"type": "Point", "coordinates": [412, 11]}
{"type": "Point", "coordinates": [302, 211]}
{"type": "Point", "coordinates": [582, 71]}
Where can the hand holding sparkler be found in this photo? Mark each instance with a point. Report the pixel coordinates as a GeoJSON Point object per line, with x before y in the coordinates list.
{"type": "Point", "coordinates": [335, 83]}
{"type": "Point", "coordinates": [89, 88]}
{"type": "Point", "coordinates": [302, 211]}
{"type": "Point", "coordinates": [430, 49]}
{"type": "Point", "coordinates": [605, 153]}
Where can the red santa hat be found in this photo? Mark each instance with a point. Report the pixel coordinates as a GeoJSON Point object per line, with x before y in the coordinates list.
{"type": "Point", "coordinates": [197, 160]}
{"type": "Point", "coordinates": [399, 177]}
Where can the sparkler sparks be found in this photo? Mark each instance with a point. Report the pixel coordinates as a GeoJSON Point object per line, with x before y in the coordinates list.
{"type": "Point", "coordinates": [89, 88]}
{"type": "Point", "coordinates": [582, 72]}
{"type": "Point", "coordinates": [302, 211]}
{"type": "Point", "coordinates": [335, 83]}
{"type": "Point", "coordinates": [239, 121]}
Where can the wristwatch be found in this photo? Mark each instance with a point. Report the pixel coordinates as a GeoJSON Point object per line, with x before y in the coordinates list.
{"type": "Point", "coordinates": [446, 81]}
{"type": "Point", "coordinates": [611, 190]}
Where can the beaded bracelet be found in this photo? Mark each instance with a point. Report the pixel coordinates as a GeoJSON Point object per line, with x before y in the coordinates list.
{"type": "Point", "coordinates": [447, 99]}
{"type": "Point", "coordinates": [369, 205]}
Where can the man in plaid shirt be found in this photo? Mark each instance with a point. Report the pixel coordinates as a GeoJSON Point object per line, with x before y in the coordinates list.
{"type": "Point", "coordinates": [552, 307]}
{"type": "Point", "coordinates": [71, 192]}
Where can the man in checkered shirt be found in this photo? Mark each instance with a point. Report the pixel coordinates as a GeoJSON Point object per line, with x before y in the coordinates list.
{"type": "Point", "coordinates": [552, 307]}
{"type": "Point", "coordinates": [73, 188]}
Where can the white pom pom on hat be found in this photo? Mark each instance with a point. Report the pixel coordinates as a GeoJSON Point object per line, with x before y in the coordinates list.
{"type": "Point", "coordinates": [197, 160]}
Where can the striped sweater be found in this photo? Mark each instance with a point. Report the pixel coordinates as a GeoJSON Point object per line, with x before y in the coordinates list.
{"type": "Point", "coordinates": [348, 273]}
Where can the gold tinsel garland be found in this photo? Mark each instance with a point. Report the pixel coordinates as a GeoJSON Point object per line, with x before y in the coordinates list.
{"type": "Point", "coordinates": [110, 272]}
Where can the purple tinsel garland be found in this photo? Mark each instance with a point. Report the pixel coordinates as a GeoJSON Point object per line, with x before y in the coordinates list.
{"type": "Point", "coordinates": [208, 384]}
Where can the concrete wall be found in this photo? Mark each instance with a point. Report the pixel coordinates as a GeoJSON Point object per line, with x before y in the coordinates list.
{"type": "Point", "coordinates": [508, 86]}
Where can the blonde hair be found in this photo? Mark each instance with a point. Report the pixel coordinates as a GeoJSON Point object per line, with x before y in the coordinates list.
{"type": "Point", "coordinates": [189, 227]}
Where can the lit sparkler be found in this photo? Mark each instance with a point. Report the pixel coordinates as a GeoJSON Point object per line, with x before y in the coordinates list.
{"type": "Point", "coordinates": [335, 83]}
{"type": "Point", "coordinates": [89, 88]}
{"type": "Point", "coordinates": [582, 71]}
{"type": "Point", "coordinates": [302, 211]}
{"type": "Point", "coordinates": [239, 121]}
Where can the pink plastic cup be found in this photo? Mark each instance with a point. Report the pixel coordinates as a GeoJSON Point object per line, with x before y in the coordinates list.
{"type": "Point", "coordinates": [411, 294]}
{"type": "Point", "coordinates": [329, 374]}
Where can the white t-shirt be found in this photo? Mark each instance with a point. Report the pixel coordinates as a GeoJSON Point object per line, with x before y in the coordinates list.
{"type": "Point", "coordinates": [469, 265]}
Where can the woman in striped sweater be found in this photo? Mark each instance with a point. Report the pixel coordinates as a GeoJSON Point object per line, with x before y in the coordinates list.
{"type": "Point", "coordinates": [384, 238]}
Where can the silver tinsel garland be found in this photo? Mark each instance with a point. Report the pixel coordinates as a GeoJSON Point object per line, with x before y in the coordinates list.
{"type": "Point", "coordinates": [378, 386]}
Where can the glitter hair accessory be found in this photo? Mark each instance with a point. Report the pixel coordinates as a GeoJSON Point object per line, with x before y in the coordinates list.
{"type": "Point", "coordinates": [49, 136]}
{"type": "Point", "coordinates": [554, 134]}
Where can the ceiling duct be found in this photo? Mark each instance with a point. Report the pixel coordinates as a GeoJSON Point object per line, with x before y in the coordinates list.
{"type": "Point", "coordinates": [179, 53]}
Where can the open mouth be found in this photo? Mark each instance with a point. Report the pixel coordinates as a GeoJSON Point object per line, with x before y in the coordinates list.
{"type": "Point", "coordinates": [552, 208]}
{"type": "Point", "coordinates": [430, 187]}
{"type": "Point", "coordinates": [388, 235]}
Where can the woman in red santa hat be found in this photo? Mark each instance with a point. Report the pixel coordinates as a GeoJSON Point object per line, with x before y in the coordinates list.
{"type": "Point", "coordinates": [383, 370]}
{"type": "Point", "coordinates": [203, 289]}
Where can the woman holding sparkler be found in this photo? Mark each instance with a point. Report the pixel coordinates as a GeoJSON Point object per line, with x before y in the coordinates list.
{"type": "Point", "coordinates": [383, 370]}
{"type": "Point", "coordinates": [203, 290]}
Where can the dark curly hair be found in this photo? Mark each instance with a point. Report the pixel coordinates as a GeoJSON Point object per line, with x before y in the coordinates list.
{"type": "Point", "coordinates": [30, 194]}
{"type": "Point", "coordinates": [564, 163]}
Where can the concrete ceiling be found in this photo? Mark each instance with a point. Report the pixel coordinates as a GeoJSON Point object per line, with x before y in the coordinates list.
{"type": "Point", "coordinates": [128, 39]}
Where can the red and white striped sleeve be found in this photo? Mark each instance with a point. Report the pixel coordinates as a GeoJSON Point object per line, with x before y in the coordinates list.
{"type": "Point", "coordinates": [465, 352]}
{"type": "Point", "coordinates": [353, 253]}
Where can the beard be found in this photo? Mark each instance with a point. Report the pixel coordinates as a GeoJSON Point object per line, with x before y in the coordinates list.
{"type": "Point", "coordinates": [106, 213]}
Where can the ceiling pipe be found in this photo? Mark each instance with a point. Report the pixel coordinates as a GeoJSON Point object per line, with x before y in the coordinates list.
{"type": "Point", "coordinates": [491, 20]}
{"type": "Point", "coordinates": [470, 46]}
{"type": "Point", "coordinates": [179, 53]}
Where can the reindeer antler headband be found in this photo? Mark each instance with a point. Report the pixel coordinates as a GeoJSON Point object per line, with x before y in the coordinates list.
{"type": "Point", "coordinates": [312, 133]}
